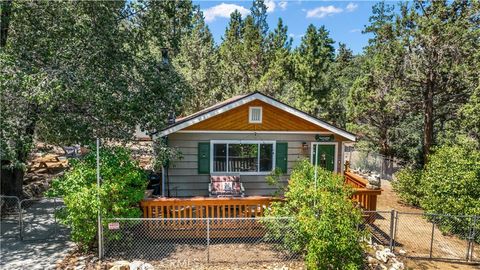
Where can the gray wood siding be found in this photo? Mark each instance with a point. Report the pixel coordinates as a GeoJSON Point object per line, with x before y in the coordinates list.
{"type": "Point", "coordinates": [183, 173]}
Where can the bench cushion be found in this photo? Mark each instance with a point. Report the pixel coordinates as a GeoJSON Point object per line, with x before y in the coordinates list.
{"type": "Point", "coordinates": [225, 178]}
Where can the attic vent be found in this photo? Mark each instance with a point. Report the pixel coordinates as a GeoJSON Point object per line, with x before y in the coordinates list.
{"type": "Point", "coordinates": [255, 115]}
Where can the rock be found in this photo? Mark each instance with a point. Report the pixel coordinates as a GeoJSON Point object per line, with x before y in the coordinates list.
{"type": "Point", "coordinates": [136, 265]}
{"type": "Point", "coordinates": [384, 255]}
{"type": "Point", "coordinates": [371, 260]}
{"type": "Point", "coordinates": [147, 266]}
{"type": "Point", "coordinates": [381, 267]}
{"type": "Point", "coordinates": [402, 252]}
{"type": "Point", "coordinates": [120, 265]}
{"type": "Point", "coordinates": [397, 266]}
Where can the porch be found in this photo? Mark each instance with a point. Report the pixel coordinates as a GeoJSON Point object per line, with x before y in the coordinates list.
{"type": "Point", "coordinates": [243, 207]}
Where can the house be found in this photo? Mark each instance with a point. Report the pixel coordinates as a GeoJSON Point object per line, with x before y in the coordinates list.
{"type": "Point", "coordinates": [250, 136]}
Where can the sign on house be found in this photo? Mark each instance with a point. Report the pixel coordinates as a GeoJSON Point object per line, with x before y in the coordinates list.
{"type": "Point", "coordinates": [324, 138]}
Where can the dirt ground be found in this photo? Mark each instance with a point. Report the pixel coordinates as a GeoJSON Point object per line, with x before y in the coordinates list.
{"type": "Point", "coordinates": [414, 235]}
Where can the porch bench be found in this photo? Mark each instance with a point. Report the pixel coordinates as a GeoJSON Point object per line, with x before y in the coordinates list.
{"type": "Point", "coordinates": [225, 186]}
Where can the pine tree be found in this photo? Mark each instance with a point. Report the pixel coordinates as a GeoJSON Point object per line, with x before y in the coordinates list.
{"type": "Point", "coordinates": [312, 61]}
{"type": "Point", "coordinates": [197, 62]}
{"type": "Point", "coordinates": [231, 68]}
{"type": "Point", "coordinates": [278, 53]}
{"type": "Point", "coordinates": [259, 15]}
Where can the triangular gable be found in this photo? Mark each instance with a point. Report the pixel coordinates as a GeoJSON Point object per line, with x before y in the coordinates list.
{"type": "Point", "coordinates": [233, 116]}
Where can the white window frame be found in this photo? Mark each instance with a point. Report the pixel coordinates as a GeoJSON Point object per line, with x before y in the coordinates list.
{"type": "Point", "coordinates": [250, 110]}
{"type": "Point", "coordinates": [312, 158]}
{"type": "Point", "coordinates": [227, 142]}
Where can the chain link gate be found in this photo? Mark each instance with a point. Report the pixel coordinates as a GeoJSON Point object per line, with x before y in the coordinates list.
{"type": "Point", "coordinates": [10, 217]}
{"type": "Point", "coordinates": [39, 219]}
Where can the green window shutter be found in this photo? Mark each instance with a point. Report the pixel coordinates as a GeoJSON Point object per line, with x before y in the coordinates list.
{"type": "Point", "coordinates": [204, 158]}
{"type": "Point", "coordinates": [281, 158]}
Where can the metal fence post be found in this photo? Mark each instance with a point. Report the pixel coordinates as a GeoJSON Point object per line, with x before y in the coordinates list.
{"type": "Point", "coordinates": [20, 215]}
{"type": "Point", "coordinates": [55, 218]}
{"type": "Point", "coordinates": [392, 224]}
{"type": "Point", "coordinates": [431, 240]}
{"type": "Point", "coordinates": [395, 230]}
{"type": "Point", "coordinates": [471, 240]}
{"type": "Point", "coordinates": [208, 240]}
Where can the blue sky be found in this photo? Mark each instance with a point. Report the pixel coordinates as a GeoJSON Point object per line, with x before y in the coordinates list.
{"type": "Point", "coordinates": [344, 19]}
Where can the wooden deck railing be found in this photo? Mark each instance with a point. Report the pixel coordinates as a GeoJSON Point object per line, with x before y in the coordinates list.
{"type": "Point", "coordinates": [367, 198]}
{"type": "Point", "coordinates": [202, 207]}
{"type": "Point", "coordinates": [185, 217]}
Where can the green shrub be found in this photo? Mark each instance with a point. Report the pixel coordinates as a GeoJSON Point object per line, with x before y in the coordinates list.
{"type": "Point", "coordinates": [323, 223]}
{"type": "Point", "coordinates": [408, 185]}
{"type": "Point", "coordinates": [451, 183]}
{"type": "Point", "coordinates": [123, 186]}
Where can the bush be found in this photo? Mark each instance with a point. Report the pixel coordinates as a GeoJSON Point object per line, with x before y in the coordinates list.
{"type": "Point", "coordinates": [123, 186]}
{"type": "Point", "coordinates": [451, 182]}
{"type": "Point", "coordinates": [408, 185]}
{"type": "Point", "coordinates": [324, 220]}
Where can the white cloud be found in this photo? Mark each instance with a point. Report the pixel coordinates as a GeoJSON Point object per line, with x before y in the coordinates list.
{"type": "Point", "coordinates": [356, 30]}
{"type": "Point", "coordinates": [323, 11]}
{"type": "Point", "coordinates": [283, 5]}
{"type": "Point", "coordinates": [223, 11]}
{"type": "Point", "coordinates": [270, 5]}
{"type": "Point", "coordinates": [351, 7]}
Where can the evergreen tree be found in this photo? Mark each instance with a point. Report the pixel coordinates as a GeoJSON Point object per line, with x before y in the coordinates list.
{"type": "Point", "coordinates": [439, 72]}
{"type": "Point", "coordinates": [278, 53]}
{"type": "Point", "coordinates": [259, 15]}
{"type": "Point", "coordinates": [197, 62]}
{"type": "Point", "coordinates": [312, 61]}
{"type": "Point", "coordinates": [231, 67]}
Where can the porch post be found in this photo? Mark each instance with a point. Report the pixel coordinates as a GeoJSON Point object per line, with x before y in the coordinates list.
{"type": "Point", "coordinates": [163, 180]}
{"type": "Point", "coordinates": [100, 237]}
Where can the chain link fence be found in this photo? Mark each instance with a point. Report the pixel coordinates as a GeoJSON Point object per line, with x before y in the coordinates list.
{"type": "Point", "coordinates": [10, 217]}
{"type": "Point", "coordinates": [257, 240]}
{"type": "Point", "coordinates": [202, 240]}
{"type": "Point", "coordinates": [31, 219]}
{"type": "Point", "coordinates": [384, 166]}
{"type": "Point", "coordinates": [39, 219]}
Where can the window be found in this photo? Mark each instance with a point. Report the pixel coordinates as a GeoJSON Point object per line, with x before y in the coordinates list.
{"type": "Point", "coordinates": [255, 115]}
{"type": "Point", "coordinates": [245, 157]}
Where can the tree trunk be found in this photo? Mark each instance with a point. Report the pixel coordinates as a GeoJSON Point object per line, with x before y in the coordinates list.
{"type": "Point", "coordinates": [428, 120]}
{"type": "Point", "coordinates": [6, 7]}
{"type": "Point", "coordinates": [11, 181]}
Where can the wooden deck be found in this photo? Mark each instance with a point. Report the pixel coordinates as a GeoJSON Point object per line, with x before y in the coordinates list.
{"type": "Point", "coordinates": [203, 207]}
{"type": "Point", "coordinates": [186, 217]}
{"type": "Point", "coordinates": [367, 198]}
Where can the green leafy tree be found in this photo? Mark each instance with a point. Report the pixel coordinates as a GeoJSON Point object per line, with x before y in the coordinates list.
{"type": "Point", "coordinates": [451, 182]}
{"type": "Point", "coordinates": [470, 112]}
{"type": "Point", "coordinates": [79, 70]}
{"type": "Point", "coordinates": [123, 186]}
{"type": "Point", "coordinates": [323, 223]}
{"type": "Point", "coordinates": [53, 86]}
{"type": "Point", "coordinates": [408, 185]}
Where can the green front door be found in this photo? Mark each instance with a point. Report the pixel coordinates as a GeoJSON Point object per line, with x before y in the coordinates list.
{"type": "Point", "coordinates": [326, 156]}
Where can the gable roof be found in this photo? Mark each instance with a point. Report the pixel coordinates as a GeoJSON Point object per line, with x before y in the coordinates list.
{"type": "Point", "coordinates": [237, 101]}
